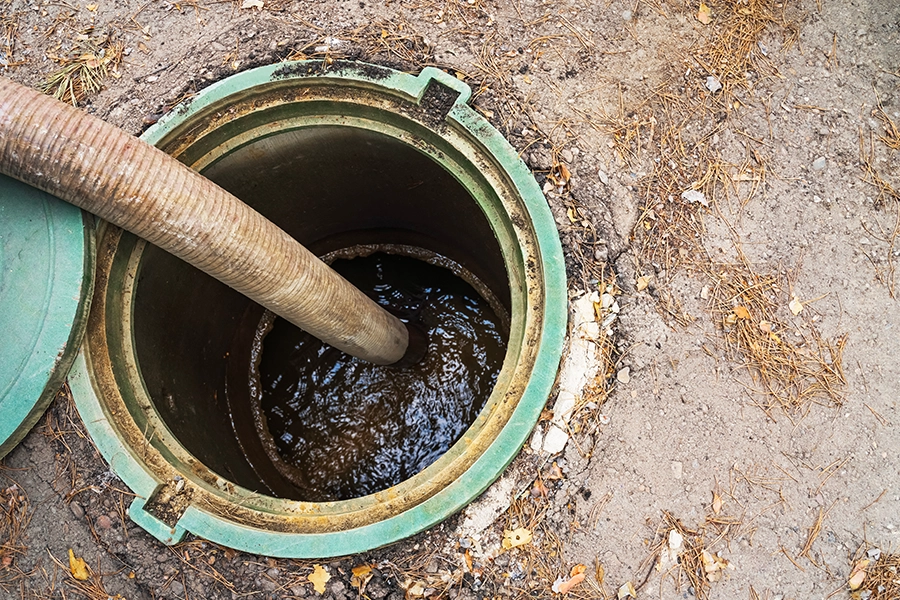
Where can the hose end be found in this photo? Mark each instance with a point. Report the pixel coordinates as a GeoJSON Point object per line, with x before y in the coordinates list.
{"type": "Point", "coordinates": [417, 347]}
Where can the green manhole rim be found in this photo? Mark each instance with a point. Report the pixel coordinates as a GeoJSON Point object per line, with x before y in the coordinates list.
{"type": "Point", "coordinates": [486, 468]}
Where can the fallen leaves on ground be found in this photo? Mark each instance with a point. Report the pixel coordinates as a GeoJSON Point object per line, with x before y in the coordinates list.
{"type": "Point", "coordinates": [714, 565]}
{"type": "Point", "coordinates": [704, 14]}
{"type": "Point", "coordinates": [361, 576]}
{"type": "Point", "coordinates": [626, 591]}
{"type": "Point", "coordinates": [319, 577]}
{"type": "Point", "coordinates": [875, 577]}
{"type": "Point", "coordinates": [78, 567]}
{"type": "Point", "coordinates": [516, 538]}
{"type": "Point", "coordinates": [858, 574]}
{"type": "Point", "coordinates": [576, 576]}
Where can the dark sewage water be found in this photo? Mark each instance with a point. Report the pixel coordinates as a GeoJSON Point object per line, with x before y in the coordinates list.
{"type": "Point", "coordinates": [343, 427]}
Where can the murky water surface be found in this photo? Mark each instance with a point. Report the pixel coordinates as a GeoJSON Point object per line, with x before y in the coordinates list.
{"type": "Point", "coordinates": [346, 428]}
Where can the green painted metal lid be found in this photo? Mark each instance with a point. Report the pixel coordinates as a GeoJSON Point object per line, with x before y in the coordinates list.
{"type": "Point", "coordinates": [46, 280]}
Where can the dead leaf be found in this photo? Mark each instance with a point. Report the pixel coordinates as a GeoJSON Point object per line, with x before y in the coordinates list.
{"type": "Point", "coordinates": [514, 539]}
{"type": "Point", "coordinates": [91, 7]}
{"type": "Point", "coordinates": [319, 577]}
{"type": "Point", "coordinates": [361, 576]}
{"type": "Point", "coordinates": [575, 577]}
{"type": "Point", "coordinates": [468, 558]}
{"type": "Point", "coordinates": [555, 472]}
{"type": "Point", "coordinates": [415, 590]}
{"type": "Point", "coordinates": [527, 79]}
{"type": "Point", "coordinates": [599, 573]}
{"type": "Point", "coordinates": [858, 574]}
{"type": "Point", "coordinates": [643, 282]}
{"type": "Point", "coordinates": [704, 15]}
{"type": "Point", "coordinates": [714, 565]}
{"type": "Point", "coordinates": [5, 560]}
{"type": "Point", "coordinates": [795, 306]}
{"type": "Point", "coordinates": [765, 327]}
{"type": "Point", "coordinates": [717, 503]}
{"type": "Point", "coordinates": [693, 196]}
{"type": "Point", "coordinates": [741, 312]}
{"type": "Point", "coordinates": [78, 567]}
{"type": "Point", "coordinates": [539, 490]}
{"type": "Point", "coordinates": [626, 591]}
{"type": "Point", "coordinates": [361, 570]}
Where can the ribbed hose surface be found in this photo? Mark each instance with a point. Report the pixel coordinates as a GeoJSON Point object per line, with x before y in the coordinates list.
{"type": "Point", "coordinates": [83, 160]}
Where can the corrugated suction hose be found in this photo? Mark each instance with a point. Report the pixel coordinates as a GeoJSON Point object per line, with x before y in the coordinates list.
{"type": "Point", "coordinates": [96, 166]}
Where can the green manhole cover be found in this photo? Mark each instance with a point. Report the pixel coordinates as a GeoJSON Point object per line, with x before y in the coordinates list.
{"type": "Point", "coordinates": [46, 279]}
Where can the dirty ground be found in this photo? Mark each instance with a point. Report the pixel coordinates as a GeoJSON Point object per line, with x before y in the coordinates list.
{"type": "Point", "coordinates": [724, 177]}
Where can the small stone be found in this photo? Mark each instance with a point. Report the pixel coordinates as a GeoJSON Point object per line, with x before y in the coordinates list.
{"type": "Point", "coordinates": [604, 178]}
{"type": "Point", "coordinates": [267, 585]}
{"type": "Point", "coordinates": [76, 510]}
{"type": "Point", "coordinates": [338, 588]}
{"type": "Point", "coordinates": [677, 469]}
{"type": "Point", "coordinates": [824, 131]}
{"type": "Point", "coordinates": [713, 84]}
{"type": "Point", "coordinates": [376, 590]}
{"type": "Point", "coordinates": [567, 156]}
{"type": "Point", "coordinates": [819, 163]}
{"type": "Point", "coordinates": [627, 15]}
{"type": "Point", "coordinates": [540, 159]}
{"type": "Point", "coordinates": [103, 522]}
{"type": "Point", "coordinates": [624, 375]}
{"type": "Point", "coordinates": [176, 589]}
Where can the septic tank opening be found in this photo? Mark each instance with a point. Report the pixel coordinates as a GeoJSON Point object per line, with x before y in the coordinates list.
{"type": "Point", "coordinates": [351, 164]}
{"type": "Point", "coordinates": [342, 192]}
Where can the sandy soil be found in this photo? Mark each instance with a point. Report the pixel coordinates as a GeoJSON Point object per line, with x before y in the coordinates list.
{"type": "Point", "coordinates": [787, 470]}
